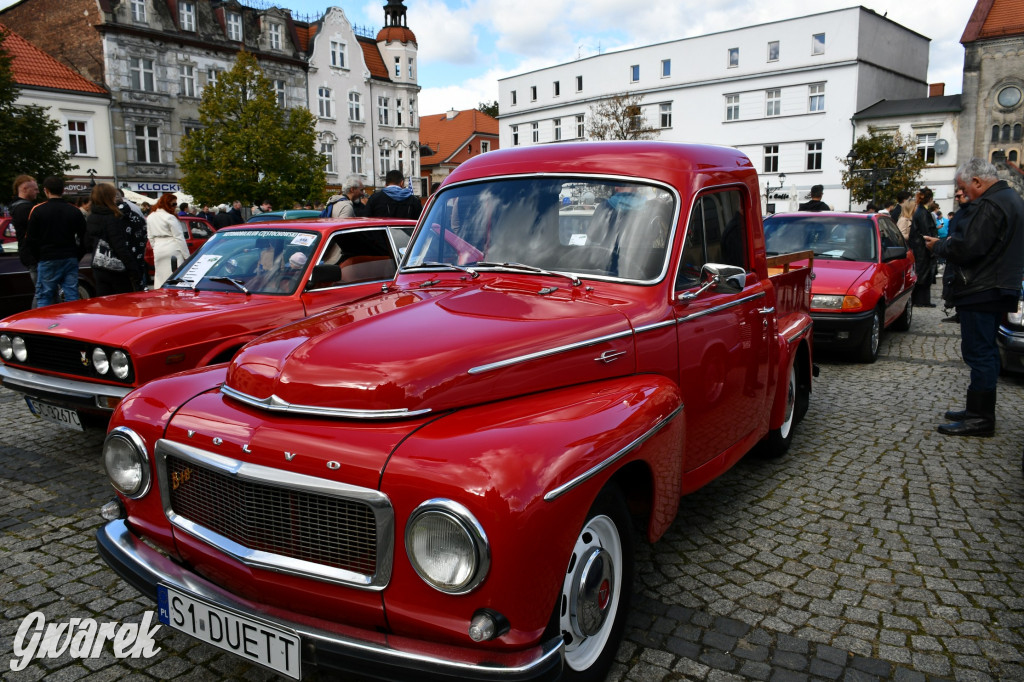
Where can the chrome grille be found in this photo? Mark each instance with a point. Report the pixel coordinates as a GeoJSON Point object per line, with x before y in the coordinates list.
{"type": "Point", "coordinates": [323, 529]}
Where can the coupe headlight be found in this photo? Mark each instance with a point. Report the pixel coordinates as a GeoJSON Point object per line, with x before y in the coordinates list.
{"type": "Point", "coordinates": [447, 546]}
{"type": "Point", "coordinates": [20, 351]}
{"type": "Point", "coordinates": [826, 302]}
{"type": "Point", "coordinates": [119, 364]}
{"type": "Point", "coordinates": [99, 361]}
{"type": "Point", "coordinates": [124, 456]}
{"type": "Point", "coordinates": [6, 347]}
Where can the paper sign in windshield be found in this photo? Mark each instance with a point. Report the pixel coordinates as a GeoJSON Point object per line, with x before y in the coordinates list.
{"type": "Point", "coordinates": [199, 269]}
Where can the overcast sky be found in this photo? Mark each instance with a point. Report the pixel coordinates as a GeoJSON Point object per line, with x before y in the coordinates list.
{"type": "Point", "coordinates": [465, 46]}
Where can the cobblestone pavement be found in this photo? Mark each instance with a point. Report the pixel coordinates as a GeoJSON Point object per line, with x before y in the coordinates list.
{"type": "Point", "coordinates": [877, 549]}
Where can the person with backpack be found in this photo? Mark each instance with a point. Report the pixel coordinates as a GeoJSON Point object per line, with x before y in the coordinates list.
{"type": "Point", "coordinates": [349, 203]}
{"type": "Point", "coordinates": [394, 200]}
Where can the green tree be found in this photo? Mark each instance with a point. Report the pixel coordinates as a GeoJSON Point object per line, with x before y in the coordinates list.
{"type": "Point", "coordinates": [882, 168]}
{"type": "Point", "coordinates": [249, 148]}
{"type": "Point", "coordinates": [489, 108]}
{"type": "Point", "coordinates": [619, 117]}
{"type": "Point", "coordinates": [30, 141]}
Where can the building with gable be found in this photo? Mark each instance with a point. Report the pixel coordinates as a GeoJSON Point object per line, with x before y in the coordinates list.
{"type": "Point", "coordinates": [993, 87]}
{"type": "Point", "coordinates": [363, 91]}
{"type": "Point", "coordinates": [78, 104]}
{"type": "Point", "coordinates": [451, 138]}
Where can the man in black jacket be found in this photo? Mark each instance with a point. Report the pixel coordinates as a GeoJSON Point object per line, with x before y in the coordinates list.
{"type": "Point", "coordinates": [815, 204]}
{"type": "Point", "coordinates": [25, 191]}
{"type": "Point", "coordinates": [923, 225]}
{"type": "Point", "coordinates": [393, 200]}
{"type": "Point", "coordinates": [56, 240]}
{"type": "Point", "coordinates": [987, 252]}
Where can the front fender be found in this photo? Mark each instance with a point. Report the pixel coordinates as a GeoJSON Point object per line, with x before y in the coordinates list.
{"type": "Point", "coordinates": [529, 470]}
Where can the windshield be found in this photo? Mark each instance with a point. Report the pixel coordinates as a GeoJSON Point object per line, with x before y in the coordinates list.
{"type": "Point", "coordinates": [257, 261]}
{"type": "Point", "coordinates": [837, 237]}
{"type": "Point", "coordinates": [601, 228]}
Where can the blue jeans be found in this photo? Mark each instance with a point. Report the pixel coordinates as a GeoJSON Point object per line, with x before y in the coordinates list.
{"type": "Point", "coordinates": [54, 275]}
{"type": "Point", "coordinates": [979, 348]}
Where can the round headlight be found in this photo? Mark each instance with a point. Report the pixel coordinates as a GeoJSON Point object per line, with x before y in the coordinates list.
{"type": "Point", "coordinates": [6, 349]}
{"type": "Point", "coordinates": [124, 456]}
{"type": "Point", "coordinates": [447, 546]}
{"type": "Point", "coordinates": [119, 363]}
{"type": "Point", "coordinates": [99, 361]}
{"type": "Point", "coordinates": [20, 351]}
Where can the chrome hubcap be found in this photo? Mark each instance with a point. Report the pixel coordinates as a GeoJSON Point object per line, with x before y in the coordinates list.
{"type": "Point", "coordinates": [591, 592]}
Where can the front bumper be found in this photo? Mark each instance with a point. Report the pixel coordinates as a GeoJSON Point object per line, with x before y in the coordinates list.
{"type": "Point", "coordinates": [838, 330]}
{"type": "Point", "coordinates": [355, 652]}
{"type": "Point", "coordinates": [1011, 348]}
{"type": "Point", "coordinates": [94, 398]}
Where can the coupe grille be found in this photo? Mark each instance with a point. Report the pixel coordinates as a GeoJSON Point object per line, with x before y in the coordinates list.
{"type": "Point", "coordinates": [59, 355]}
{"type": "Point", "coordinates": [323, 529]}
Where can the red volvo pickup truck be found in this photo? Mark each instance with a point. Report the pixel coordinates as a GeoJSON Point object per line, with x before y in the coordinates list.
{"type": "Point", "coordinates": [443, 480]}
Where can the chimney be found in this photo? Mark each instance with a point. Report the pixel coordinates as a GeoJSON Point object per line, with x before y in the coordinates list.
{"type": "Point", "coordinates": [936, 89]}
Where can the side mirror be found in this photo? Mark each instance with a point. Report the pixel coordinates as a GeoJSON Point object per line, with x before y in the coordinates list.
{"type": "Point", "coordinates": [894, 253]}
{"type": "Point", "coordinates": [726, 279]}
{"type": "Point", "coordinates": [325, 273]}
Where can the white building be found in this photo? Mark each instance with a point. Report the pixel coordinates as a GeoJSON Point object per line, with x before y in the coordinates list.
{"type": "Point", "coordinates": [783, 92]}
{"type": "Point", "coordinates": [363, 93]}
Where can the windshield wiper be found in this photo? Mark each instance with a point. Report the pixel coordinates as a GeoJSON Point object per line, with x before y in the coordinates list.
{"type": "Point", "coordinates": [228, 280]}
{"type": "Point", "coordinates": [528, 268]}
{"type": "Point", "coordinates": [433, 264]}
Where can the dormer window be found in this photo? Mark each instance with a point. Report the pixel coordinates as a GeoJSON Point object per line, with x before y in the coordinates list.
{"type": "Point", "coordinates": [138, 10]}
{"type": "Point", "coordinates": [275, 36]}
{"type": "Point", "coordinates": [187, 16]}
{"type": "Point", "coordinates": [235, 26]}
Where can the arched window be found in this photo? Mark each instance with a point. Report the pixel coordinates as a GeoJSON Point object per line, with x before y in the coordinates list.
{"type": "Point", "coordinates": [1013, 156]}
{"type": "Point", "coordinates": [1016, 132]}
{"type": "Point", "coordinates": [995, 133]}
{"type": "Point", "coordinates": [1006, 133]}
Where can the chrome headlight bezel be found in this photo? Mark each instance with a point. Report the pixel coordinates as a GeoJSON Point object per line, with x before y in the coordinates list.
{"type": "Point", "coordinates": [6, 347]}
{"type": "Point", "coordinates": [120, 365]}
{"type": "Point", "coordinates": [472, 560]}
{"type": "Point", "coordinates": [100, 361]}
{"type": "Point", "coordinates": [126, 462]}
{"type": "Point", "coordinates": [19, 349]}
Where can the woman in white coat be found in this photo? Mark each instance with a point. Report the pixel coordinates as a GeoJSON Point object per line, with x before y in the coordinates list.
{"type": "Point", "coordinates": [166, 238]}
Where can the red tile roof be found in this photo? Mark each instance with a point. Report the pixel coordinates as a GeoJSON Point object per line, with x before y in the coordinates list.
{"type": "Point", "coordinates": [374, 60]}
{"type": "Point", "coordinates": [32, 67]}
{"type": "Point", "coordinates": [447, 137]}
{"type": "Point", "coordinates": [399, 33]}
{"type": "Point", "coordinates": [994, 19]}
{"type": "Point", "coordinates": [305, 33]}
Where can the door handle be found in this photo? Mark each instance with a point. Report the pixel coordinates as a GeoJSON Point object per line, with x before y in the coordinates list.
{"type": "Point", "coordinates": [766, 311]}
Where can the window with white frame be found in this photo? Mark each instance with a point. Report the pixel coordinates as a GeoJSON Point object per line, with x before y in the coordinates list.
{"type": "Point", "coordinates": [816, 97]}
{"type": "Point", "coordinates": [557, 125]}
{"type": "Point", "coordinates": [400, 158]}
{"type": "Point", "coordinates": [580, 130]}
{"type": "Point", "coordinates": [355, 107]}
{"type": "Point", "coordinates": [773, 51]}
{"type": "Point", "coordinates": [926, 147]}
{"type": "Point", "coordinates": [187, 15]}
{"type": "Point", "coordinates": [211, 76]}
{"type": "Point", "coordinates": [385, 158]}
{"type": "Point", "coordinates": [579, 83]}
{"type": "Point", "coordinates": [773, 102]}
{"type": "Point", "coordinates": [235, 26]}
{"type": "Point", "coordinates": [327, 152]}
{"type": "Point", "coordinates": [634, 73]}
{"type": "Point", "coordinates": [355, 154]}
{"type": "Point", "coordinates": [338, 55]}
{"type": "Point", "coordinates": [279, 92]}
{"type": "Point", "coordinates": [383, 110]}
{"type": "Point", "coordinates": [515, 136]}
{"type": "Point", "coordinates": [398, 112]}
{"type": "Point", "coordinates": [412, 113]}
{"type": "Point", "coordinates": [410, 71]}
{"type": "Point", "coordinates": [147, 144]}
{"type": "Point", "coordinates": [138, 9]}
{"type": "Point", "coordinates": [556, 89]}
{"type": "Point", "coordinates": [666, 68]}
{"type": "Point", "coordinates": [78, 137]}
{"type": "Point", "coordinates": [485, 146]}
{"type": "Point", "coordinates": [533, 93]}
{"type": "Point", "coordinates": [771, 158]}
{"type": "Point", "coordinates": [732, 107]}
{"type": "Point", "coordinates": [142, 73]}
{"type": "Point", "coordinates": [665, 110]}
{"type": "Point", "coordinates": [187, 79]}
{"type": "Point", "coordinates": [814, 156]}
{"type": "Point", "coordinates": [325, 99]}
{"type": "Point", "coordinates": [398, 67]}
{"type": "Point", "coordinates": [818, 43]}
{"type": "Point", "coordinates": [275, 36]}
{"type": "Point", "coordinates": [734, 57]}
{"type": "Point", "coordinates": [535, 132]}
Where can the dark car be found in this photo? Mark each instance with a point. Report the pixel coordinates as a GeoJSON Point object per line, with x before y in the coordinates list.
{"type": "Point", "coordinates": [197, 230]}
{"type": "Point", "coordinates": [292, 214]}
{"type": "Point", "coordinates": [863, 275]}
{"type": "Point", "coordinates": [17, 290]}
{"type": "Point", "coordinates": [1011, 339]}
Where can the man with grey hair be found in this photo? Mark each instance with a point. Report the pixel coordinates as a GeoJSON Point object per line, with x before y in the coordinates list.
{"type": "Point", "coordinates": [348, 204]}
{"type": "Point", "coordinates": [987, 254]}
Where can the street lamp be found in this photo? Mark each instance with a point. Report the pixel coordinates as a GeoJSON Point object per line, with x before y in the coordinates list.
{"type": "Point", "coordinates": [768, 189]}
{"type": "Point", "coordinates": [92, 177]}
{"type": "Point", "coordinates": [876, 176]}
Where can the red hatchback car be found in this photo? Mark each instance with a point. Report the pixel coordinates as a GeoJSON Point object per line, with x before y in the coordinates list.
{"type": "Point", "coordinates": [863, 275]}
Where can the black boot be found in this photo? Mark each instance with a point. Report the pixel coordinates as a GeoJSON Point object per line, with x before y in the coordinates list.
{"type": "Point", "coordinates": [980, 417]}
{"type": "Point", "coordinates": [957, 415]}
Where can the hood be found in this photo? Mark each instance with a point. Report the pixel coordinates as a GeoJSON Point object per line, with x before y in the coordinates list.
{"type": "Point", "coordinates": [129, 319]}
{"type": "Point", "coordinates": [434, 350]}
{"type": "Point", "coordinates": [837, 276]}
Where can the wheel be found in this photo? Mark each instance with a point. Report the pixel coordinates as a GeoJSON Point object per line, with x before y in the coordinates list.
{"type": "Point", "coordinates": [868, 351]}
{"type": "Point", "coordinates": [591, 610]}
{"type": "Point", "coordinates": [902, 323]}
{"type": "Point", "coordinates": [777, 443]}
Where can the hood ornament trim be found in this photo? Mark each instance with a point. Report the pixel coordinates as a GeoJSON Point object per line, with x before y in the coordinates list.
{"type": "Point", "coordinates": [275, 404]}
{"type": "Point", "coordinates": [480, 369]}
